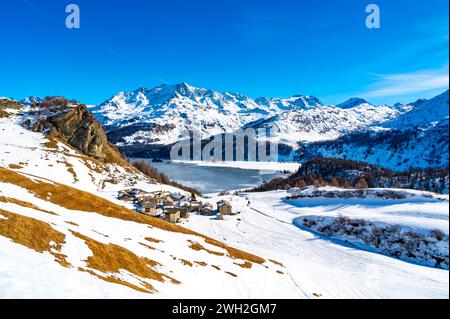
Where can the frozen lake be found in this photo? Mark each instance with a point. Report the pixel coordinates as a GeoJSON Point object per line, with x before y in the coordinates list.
{"type": "Point", "coordinates": [214, 179]}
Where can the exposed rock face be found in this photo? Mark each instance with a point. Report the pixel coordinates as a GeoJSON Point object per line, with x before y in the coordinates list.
{"type": "Point", "coordinates": [9, 104]}
{"type": "Point", "coordinates": [78, 127]}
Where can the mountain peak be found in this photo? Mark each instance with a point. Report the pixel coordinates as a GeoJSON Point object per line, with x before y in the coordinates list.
{"type": "Point", "coordinates": [30, 100]}
{"type": "Point", "coordinates": [305, 101]}
{"type": "Point", "coordinates": [352, 102]}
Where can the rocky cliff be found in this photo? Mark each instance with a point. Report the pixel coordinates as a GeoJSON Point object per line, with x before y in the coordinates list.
{"type": "Point", "coordinates": [74, 124]}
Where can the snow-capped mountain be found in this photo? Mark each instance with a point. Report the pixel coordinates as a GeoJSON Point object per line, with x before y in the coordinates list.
{"type": "Point", "coordinates": [146, 122]}
{"type": "Point", "coordinates": [164, 114]}
{"type": "Point", "coordinates": [424, 114]}
{"type": "Point", "coordinates": [352, 102]}
{"type": "Point", "coordinates": [295, 102]}
{"type": "Point", "coordinates": [417, 138]}
{"type": "Point", "coordinates": [324, 122]}
{"type": "Point", "coordinates": [30, 100]}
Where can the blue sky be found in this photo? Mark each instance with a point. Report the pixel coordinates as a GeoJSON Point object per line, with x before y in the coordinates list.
{"type": "Point", "coordinates": [258, 48]}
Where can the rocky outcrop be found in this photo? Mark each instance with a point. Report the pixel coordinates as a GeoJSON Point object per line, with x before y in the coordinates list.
{"type": "Point", "coordinates": [9, 104]}
{"type": "Point", "coordinates": [74, 124]}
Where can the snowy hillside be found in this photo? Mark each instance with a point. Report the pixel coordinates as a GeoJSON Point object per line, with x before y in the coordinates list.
{"type": "Point", "coordinates": [64, 233]}
{"type": "Point", "coordinates": [62, 226]}
{"type": "Point", "coordinates": [402, 233]}
{"type": "Point", "coordinates": [324, 267]}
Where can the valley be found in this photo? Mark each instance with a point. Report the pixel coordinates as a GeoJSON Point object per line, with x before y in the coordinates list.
{"type": "Point", "coordinates": [315, 228]}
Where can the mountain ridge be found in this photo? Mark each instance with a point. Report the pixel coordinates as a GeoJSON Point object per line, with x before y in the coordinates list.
{"type": "Point", "coordinates": [148, 121]}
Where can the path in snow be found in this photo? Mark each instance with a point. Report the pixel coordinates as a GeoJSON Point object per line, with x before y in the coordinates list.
{"type": "Point", "coordinates": [318, 265]}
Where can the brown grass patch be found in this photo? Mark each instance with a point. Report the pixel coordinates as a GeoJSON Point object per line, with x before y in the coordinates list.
{"type": "Point", "coordinates": [197, 247]}
{"type": "Point", "coordinates": [186, 262]}
{"type": "Point", "coordinates": [201, 263]}
{"type": "Point", "coordinates": [52, 143]}
{"type": "Point", "coordinates": [233, 252]}
{"type": "Point", "coordinates": [33, 233]}
{"type": "Point", "coordinates": [69, 169]}
{"type": "Point", "coordinates": [25, 204]}
{"type": "Point", "coordinates": [280, 272]}
{"type": "Point", "coordinates": [246, 265]}
{"type": "Point", "coordinates": [231, 274]}
{"type": "Point", "coordinates": [71, 223]}
{"type": "Point", "coordinates": [14, 166]}
{"type": "Point", "coordinates": [115, 280]}
{"type": "Point", "coordinates": [216, 267]}
{"type": "Point", "coordinates": [153, 240]}
{"type": "Point", "coordinates": [147, 246]}
{"type": "Point", "coordinates": [110, 259]}
{"type": "Point", "coordinates": [74, 199]}
{"type": "Point", "coordinates": [276, 263]}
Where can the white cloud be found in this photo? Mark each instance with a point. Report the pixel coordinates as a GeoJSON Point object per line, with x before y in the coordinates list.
{"type": "Point", "coordinates": [404, 84]}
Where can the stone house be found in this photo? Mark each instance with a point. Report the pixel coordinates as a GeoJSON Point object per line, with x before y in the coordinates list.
{"type": "Point", "coordinates": [207, 209]}
{"type": "Point", "coordinates": [172, 215]}
{"type": "Point", "coordinates": [224, 207]}
{"type": "Point", "coordinates": [168, 202]}
{"type": "Point", "coordinates": [184, 212]}
{"type": "Point", "coordinates": [196, 206]}
{"type": "Point", "coordinates": [149, 208]}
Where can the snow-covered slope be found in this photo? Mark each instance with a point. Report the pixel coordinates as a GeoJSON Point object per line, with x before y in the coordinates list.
{"type": "Point", "coordinates": [64, 234]}
{"type": "Point", "coordinates": [424, 115]}
{"type": "Point", "coordinates": [327, 267]}
{"type": "Point", "coordinates": [324, 122]}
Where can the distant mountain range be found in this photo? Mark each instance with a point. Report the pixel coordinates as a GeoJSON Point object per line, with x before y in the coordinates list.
{"type": "Point", "coordinates": [145, 121]}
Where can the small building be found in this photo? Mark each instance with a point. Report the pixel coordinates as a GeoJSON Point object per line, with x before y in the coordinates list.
{"type": "Point", "coordinates": [125, 191]}
{"type": "Point", "coordinates": [149, 208]}
{"type": "Point", "coordinates": [224, 207]}
{"type": "Point", "coordinates": [184, 203]}
{"type": "Point", "coordinates": [144, 197]}
{"type": "Point", "coordinates": [184, 212]}
{"type": "Point", "coordinates": [172, 215]}
{"type": "Point", "coordinates": [125, 197]}
{"type": "Point", "coordinates": [168, 202]}
{"type": "Point", "coordinates": [196, 206]}
{"type": "Point", "coordinates": [177, 196]}
{"type": "Point", "coordinates": [135, 191]}
{"type": "Point", "coordinates": [207, 209]}
{"type": "Point", "coordinates": [162, 194]}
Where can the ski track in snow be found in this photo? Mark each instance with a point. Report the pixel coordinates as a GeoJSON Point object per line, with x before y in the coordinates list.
{"type": "Point", "coordinates": [317, 264]}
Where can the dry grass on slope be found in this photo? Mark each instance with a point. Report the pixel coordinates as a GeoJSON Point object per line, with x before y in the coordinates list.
{"type": "Point", "coordinates": [197, 247]}
{"type": "Point", "coordinates": [32, 233]}
{"type": "Point", "coordinates": [111, 259]}
{"type": "Point", "coordinates": [5, 199]}
{"type": "Point", "coordinates": [75, 199]}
